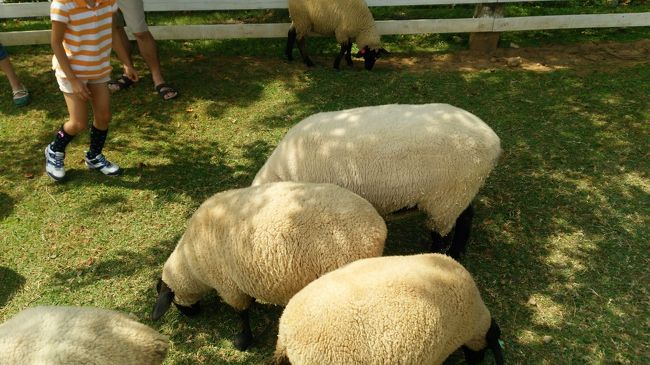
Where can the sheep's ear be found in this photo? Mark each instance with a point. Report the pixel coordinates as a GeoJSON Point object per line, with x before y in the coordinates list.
{"type": "Point", "coordinates": [165, 298]}
{"type": "Point", "coordinates": [493, 338]}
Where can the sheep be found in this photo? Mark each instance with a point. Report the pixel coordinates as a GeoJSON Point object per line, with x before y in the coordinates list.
{"type": "Point", "coordinates": [434, 157]}
{"type": "Point", "coordinates": [388, 310]}
{"type": "Point", "coordinates": [60, 335]}
{"type": "Point", "coordinates": [348, 21]}
{"type": "Point", "coordinates": [265, 243]}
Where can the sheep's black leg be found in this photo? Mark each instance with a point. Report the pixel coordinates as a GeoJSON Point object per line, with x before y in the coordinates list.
{"type": "Point", "coordinates": [337, 60]}
{"type": "Point", "coordinates": [348, 56]}
{"type": "Point", "coordinates": [303, 52]}
{"type": "Point", "coordinates": [291, 40]}
{"type": "Point", "coordinates": [461, 232]}
{"type": "Point", "coordinates": [245, 336]}
{"type": "Point", "coordinates": [439, 244]}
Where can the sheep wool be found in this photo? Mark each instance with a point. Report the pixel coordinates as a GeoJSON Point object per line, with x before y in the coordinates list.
{"type": "Point", "coordinates": [349, 19]}
{"type": "Point", "coordinates": [79, 336]}
{"type": "Point", "coordinates": [388, 310]}
{"type": "Point", "coordinates": [268, 242]}
{"type": "Point", "coordinates": [433, 156]}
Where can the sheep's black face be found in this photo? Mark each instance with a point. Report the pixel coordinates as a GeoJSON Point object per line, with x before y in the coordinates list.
{"type": "Point", "coordinates": [166, 298]}
{"type": "Point", "coordinates": [370, 56]}
{"type": "Point", "coordinates": [493, 339]}
{"type": "Point", "coordinates": [473, 357]}
{"type": "Point", "coordinates": [190, 311]}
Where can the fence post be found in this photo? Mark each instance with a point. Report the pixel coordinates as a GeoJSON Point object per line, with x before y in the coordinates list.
{"type": "Point", "coordinates": [486, 42]}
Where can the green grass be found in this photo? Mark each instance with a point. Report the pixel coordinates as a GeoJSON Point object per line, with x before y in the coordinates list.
{"type": "Point", "coordinates": [560, 241]}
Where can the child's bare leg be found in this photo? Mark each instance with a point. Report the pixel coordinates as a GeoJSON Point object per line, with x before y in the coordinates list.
{"type": "Point", "coordinates": [8, 69]}
{"type": "Point", "coordinates": [78, 110]}
{"type": "Point", "coordinates": [101, 103]}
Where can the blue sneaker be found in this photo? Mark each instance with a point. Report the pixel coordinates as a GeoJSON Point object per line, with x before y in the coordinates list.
{"type": "Point", "coordinates": [103, 165]}
{"type": "Point", "coordinates": [54, 164]}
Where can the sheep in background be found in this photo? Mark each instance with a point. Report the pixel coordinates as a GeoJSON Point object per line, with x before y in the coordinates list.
{"type": "Point", "coordinates": [348, 21]}
{"type": "Point", "coordinates": [266, 243]}
{"type": "Point", "coordinates": [388, 310]}
{"type": "Point", "coordinates": [79, 336]}
{"type": "Point", "coordinates": [434, 157]}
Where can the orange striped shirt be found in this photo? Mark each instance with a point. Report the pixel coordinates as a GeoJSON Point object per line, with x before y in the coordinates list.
{"type": "Point", "coordinates": [88, 37]}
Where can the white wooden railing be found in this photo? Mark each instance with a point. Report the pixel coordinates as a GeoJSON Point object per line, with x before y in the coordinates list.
{"type": "Point", "coordinates": [275, 30]}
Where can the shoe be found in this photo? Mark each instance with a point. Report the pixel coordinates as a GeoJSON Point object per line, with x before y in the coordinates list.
{"type": "Point", "coordinates": [103, 165]}
{"type": "Point", "coordinates": [54, 164]}
{"type": "Point", "coordinates": [21, 97]}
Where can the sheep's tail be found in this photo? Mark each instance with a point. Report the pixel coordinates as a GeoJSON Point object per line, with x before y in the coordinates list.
{"type": "Point", "coordinates": [280, 357]}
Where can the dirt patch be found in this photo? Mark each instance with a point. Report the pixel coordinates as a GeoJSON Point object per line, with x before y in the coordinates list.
{"type": "Point", "coordinates": [602, 56]}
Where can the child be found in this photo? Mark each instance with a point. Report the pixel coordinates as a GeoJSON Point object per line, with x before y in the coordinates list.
{"type": "Point", "coordinates": [20, 93]}
{"type": "Point", "coordinates": [82, 35]}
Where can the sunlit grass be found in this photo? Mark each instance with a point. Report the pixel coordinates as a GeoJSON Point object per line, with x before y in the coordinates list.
{"type": "Point", "coordinates": [560, 241]}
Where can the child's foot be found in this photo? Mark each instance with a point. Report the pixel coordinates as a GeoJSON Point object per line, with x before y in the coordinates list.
{"type": "Point", "coordinates": [54, 164]}
{"type": "Point", "coordinates": [100, 163]}
{"type": "Point", "coordinates": [21, 97]}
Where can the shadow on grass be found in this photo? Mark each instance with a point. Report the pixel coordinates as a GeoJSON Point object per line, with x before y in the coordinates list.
{"type": "Point", "coordinates": [10, 282]}
{"type": "Point", "coordinates": [559, 246]}
{"type": "Point", "coordinates": [6, 205]}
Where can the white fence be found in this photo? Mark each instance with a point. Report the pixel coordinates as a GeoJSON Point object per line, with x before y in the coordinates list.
{"type": "Point", "coordinates": [276, 30]}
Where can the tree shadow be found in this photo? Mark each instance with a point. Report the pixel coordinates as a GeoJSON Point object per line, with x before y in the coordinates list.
{"type": "Point", "coordinates": [6, 205]}
{"type": "Point", "coordinates": [558, 245]}
{"type": "Point", "coordinates": [10, 283]}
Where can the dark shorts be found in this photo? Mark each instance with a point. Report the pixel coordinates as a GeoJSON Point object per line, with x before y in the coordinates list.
{"type": "Point", "coordinates": [3, 52]}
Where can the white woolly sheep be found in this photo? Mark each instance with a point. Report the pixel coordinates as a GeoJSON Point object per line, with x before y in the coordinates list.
{"type": "Point", "coordinates": [433, 156]}
{"type": "Point", "coordinates": [79, 336]}
{"type": "Point", "coordinates": [348, 21]}
{"type": "Point", "coordinates": [388, 310]}
{"type": "Point", "coordinates": [266, 243]}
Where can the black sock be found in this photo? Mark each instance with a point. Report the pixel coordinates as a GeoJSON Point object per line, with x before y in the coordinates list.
{"type": "Point", "coordinates": [61, 140]}
{"type": "Point", "coordinates": [97, 140]}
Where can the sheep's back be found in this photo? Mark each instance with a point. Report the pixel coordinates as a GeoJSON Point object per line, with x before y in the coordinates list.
{"type": "Point", "coordinates": [395, 156]}
{"type": "Point", "coordinates": [274, 239]}
{"type": "Point", "coordinates": [79, 335]}
{"type": "Point", "coordinates": [346, 18]}
{"type": "Point", "coordinates": [406, 310]}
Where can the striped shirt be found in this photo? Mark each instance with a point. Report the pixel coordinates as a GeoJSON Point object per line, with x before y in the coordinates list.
{"type": "Point", "coordinates": [88, 37]}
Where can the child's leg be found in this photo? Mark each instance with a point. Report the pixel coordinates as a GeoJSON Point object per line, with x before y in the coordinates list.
{"type": "Point", "coordinates": [99, 130]}
{"type": "Point", "coordinates": [7, 68]}
{"type": "Point", "coordinates": [78, 111]}
{"type": "Point", "coordinates": [102, 117]}
{"type": "Point", "coordinates": [55, 151]}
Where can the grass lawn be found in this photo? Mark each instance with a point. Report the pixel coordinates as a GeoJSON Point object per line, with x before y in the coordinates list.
{"type": "Point", "coordinates": [560, 241]}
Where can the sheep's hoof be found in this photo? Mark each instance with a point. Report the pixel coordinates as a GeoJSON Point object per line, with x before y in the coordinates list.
{"type": "Point", "coordinates": [243, 341]}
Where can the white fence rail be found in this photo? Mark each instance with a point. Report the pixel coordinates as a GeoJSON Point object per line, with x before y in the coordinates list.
{"type": "Point", "coordinates": [276, 30]}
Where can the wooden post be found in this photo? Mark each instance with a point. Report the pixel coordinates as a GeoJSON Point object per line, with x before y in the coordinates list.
{"type": "Point", "coordinates": [486, 42]}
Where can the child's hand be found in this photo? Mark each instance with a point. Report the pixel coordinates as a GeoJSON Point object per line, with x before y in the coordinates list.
{"type": "Point", "coordinates": [131, 73]}
{"type": "Point", "coordinates": [81, 90]}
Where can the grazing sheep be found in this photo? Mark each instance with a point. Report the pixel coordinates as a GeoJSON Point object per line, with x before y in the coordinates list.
{"type": "Point", "coordinates": [266, 243]}
{"type": "Point", "coordinates": [388, 310]}
{"type": "Point", "coordinates": [79, 336]}
{"type": "Point", "coordinates": [433, 156]}
{"type": "Point", "coordinates": [348, 21]}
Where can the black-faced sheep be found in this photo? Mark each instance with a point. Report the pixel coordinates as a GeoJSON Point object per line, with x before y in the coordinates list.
{"type": "Point", "coordinates": [388, 310]}
{"type": "Point", "coordinates": [433, 156]}
{"type": "Point", "coordinates": [349, 21]}
{"type": "Point", "coordinates": [266, 243]}
{"type": "Point", "coordinates": [79, 336]}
